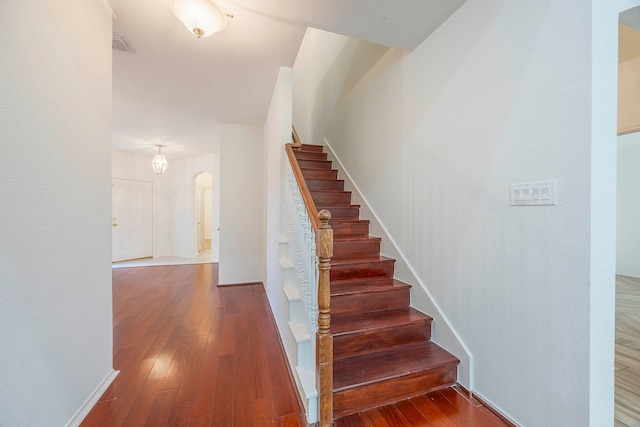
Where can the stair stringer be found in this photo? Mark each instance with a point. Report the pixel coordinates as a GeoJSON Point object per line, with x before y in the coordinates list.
{"type": "Point", "coordinates": [444, 333]}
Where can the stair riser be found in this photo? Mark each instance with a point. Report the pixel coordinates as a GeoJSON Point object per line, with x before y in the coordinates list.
{"type": "Point", "coordinates": [365, 247]}
{"type": "Point", "coordinates": [341, 212]}
{"type": "Point", "coordinates": [315, 164]}
{"type": "Point", "coordinates": [383, 268]}
{"type": "Point", "coordinates": [337, 185]}
{"type": "Point", "coordinates": [350, 228]}
{"type": "Point", "coordinates": [310, 155]}
{"type": "Point", "coordinates": [365, 342]}
{"type": "Point", "coordinates": [358, 399]}
{"type": "Point", "coordinates": [369, 301]}
{"type": "Point", "coordinates": [319, 173]}
{"type": "Point", "coordinates": [320, 197]}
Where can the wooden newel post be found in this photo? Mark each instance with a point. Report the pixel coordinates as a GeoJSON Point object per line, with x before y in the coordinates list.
{"type": "Point", "coordinates": [324, 339]}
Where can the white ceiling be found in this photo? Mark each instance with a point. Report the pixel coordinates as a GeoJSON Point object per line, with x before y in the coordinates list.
{"type": "Point", "coordinates": [175, 88]}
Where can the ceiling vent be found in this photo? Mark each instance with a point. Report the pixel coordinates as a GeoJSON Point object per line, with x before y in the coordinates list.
{"type": "Point", "coordinates": [120, 42]}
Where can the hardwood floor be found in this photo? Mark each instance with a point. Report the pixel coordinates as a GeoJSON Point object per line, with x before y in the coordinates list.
{"type": "Point", "coordinates": [450, 407]}
{"type": "Point", "coordinates": [194, 354]}
{"type": "Point", "coordinates": [627, 402]}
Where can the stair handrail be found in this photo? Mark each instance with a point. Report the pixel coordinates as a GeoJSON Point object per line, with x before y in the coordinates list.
{"type": "Point", "coordinates": [312, 211]}
{"type": "Point", "coordinates": [324, 251]}
{"type": "Point", "coordinates": [296, 138]}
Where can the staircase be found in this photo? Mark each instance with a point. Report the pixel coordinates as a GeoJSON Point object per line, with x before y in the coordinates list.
{"type": "Point", "coordinates": [382, 349]}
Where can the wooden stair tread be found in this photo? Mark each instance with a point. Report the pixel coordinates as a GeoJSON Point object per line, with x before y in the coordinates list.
{"type": "Point", "coordinates": [348, 238]}
{"type": "Point", "coordinates": [355, 323]}
{"type": "Point", "coordinates": [329, 192]}
{"type": "Point", "coordinates": [362, 285]}
{"type": "Point", "coordinates": [359, 370]}
{"type": "Point", "coordinates": [321, 183]}
{"type": "Point", "coordinates": [311, 147]}
{"type": "Point", "coordinates": [323, 180]}
{"type": "Point", "coordinates": [310, 155]}
{"type": "Point", "coordinates": [336, 205]}
{"type": "Point", "coordinates": [338, 261]}
{"type": "Point", "coordinates": [307, 168]}
{"type": "Point", "coordinates": [346, 220]}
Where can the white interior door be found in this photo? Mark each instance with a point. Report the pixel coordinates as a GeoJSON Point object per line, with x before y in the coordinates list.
{"type": "Point", "coordinates": [132, 219]}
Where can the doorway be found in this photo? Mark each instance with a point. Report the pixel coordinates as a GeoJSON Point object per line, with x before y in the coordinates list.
{"type": "Point", "coordinates": [204, 210]}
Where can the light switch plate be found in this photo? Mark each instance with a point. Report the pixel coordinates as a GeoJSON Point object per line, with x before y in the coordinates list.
{"type": "Point", "coordinates": [541, 193]}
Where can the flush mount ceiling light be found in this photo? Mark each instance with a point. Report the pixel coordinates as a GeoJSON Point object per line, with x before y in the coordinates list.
{"type": "Point", "coordinates": [159, 162]}
{"type": "Point", "coordinates": [201, 17]}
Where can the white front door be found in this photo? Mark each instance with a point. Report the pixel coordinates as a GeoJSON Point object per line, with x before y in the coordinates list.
{"type": "Point", "coordinates": [132, 219]}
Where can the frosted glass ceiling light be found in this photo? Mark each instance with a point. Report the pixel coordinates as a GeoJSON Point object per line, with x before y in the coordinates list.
{"type": "Point", "coordinates": [159, 162]}
{"type": "Point", "coordinates": [201, 17]}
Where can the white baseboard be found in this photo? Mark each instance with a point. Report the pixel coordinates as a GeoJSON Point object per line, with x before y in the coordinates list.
{"type": "Point", "coordinates": [93, 398]}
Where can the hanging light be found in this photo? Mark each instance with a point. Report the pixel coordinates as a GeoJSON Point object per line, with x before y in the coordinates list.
{"type": "Point", "coordinates": [201, 17]}
{"type": "Point", "coordinates": [159, 162]}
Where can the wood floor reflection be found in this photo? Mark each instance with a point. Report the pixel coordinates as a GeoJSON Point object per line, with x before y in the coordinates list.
{"type": "Point", "coordinates": [193, 354]}
{"type": "Point", "coordinates": [627, 403]}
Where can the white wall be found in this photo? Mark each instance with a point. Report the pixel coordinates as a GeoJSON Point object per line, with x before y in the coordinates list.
{"type": "Point", "coordinates": [55, 198]}
{"type": "Point", "coordinates": [628, 235]}
{"type": "Point", "coordinates": [277, 133]}
{"type": "Point", "coordinates": [314, 107]}
{"type": "Point", "coordinates": [184, 204]}
{"type": "Point", "coordinates": [503, 92]}
{"type": "Point", "coordinates": [138, 168]}
{"type": "Point", "coordinates": [241, 205]}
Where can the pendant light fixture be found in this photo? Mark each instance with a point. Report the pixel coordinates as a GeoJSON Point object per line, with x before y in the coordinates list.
{"type": "Point", "coordinates": [159, 162]}
{"type": "Point", "coordinates": [201, 17]}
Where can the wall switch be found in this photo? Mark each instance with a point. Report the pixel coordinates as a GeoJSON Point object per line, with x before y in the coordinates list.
{"type": "Point", "coordinates": [542, 193]}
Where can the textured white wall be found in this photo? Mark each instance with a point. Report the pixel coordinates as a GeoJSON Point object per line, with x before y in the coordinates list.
{"type": "Point", "coordinates": [628, 242]}
{"type": "Point", "coordinates": [242, 209]}
{"type": "Point", "coordinates": [55, 206]}
{"type": "Point", "coordinates": [313, 107]}
{"type": "Point", "coordinates": [503, 92]}
{"type": "Point", "coordinates": [136, 167]}
{"type": "Point", "coordinates": [277, 133]}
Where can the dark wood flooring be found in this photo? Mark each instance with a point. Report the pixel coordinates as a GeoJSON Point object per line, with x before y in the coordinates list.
{"type": "Point", "coordinates": [191, 353]}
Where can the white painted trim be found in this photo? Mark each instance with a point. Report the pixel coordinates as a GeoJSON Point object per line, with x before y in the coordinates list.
{"type": "Point", "coordinates": [93, 398]}
{"type": "Point", "coordinates": [306, 382]}
{"type": "Point", "coordinates": [402, 258]}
